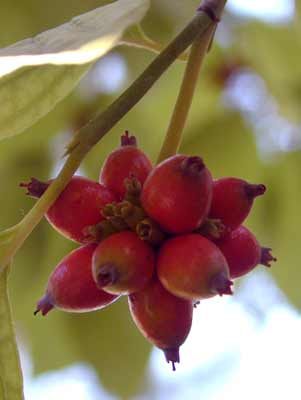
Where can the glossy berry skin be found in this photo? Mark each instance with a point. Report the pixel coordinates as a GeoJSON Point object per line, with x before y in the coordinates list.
{"type": "Point", "coordinates": [79, 205]}
{"type": "Point", "coordinates": [123, 163]}
{"type": "Point", "coordinates": [71, 287]}
{"type": "Point", "coordinates": [232, 200]}
{"type": "Point", "coordinates": [243, 252]}
{"type": "Point", "coordinates": [123, 263]}
{"type": "Point", "coordinates": [177, 194]}
{"type": "Point", "coordinates": [193, 268]}
{"type": "Point", "coordinates": [165, 320]}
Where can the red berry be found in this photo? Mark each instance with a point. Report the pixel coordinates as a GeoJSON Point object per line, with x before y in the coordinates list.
{"type": "Point", "coordinates": [123, 263]}
{"type": "Point", "coordinates": [232, 200]}
{"type": "Point", "coordinates": [123, 163]}
{"type": "Point", "coordinates": [71, 286]}
{"type": "Point", "coordinates": [243, 252]}
{"type": "Point", "coordinates": [78, 206]}
{"type": "Point", "coordinates": [177, 194]}
{"type": "Point", "coordinates": [165, 320]}
{"type": "Point", "coordinates": [192, 267]}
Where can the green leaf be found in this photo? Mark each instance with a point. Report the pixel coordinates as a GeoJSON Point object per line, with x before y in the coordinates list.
{"type": "Point", "coordinates": [35, 74]}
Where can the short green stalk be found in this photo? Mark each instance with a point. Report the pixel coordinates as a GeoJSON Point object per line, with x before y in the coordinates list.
{"type": "Point", "coordinates": [179, 117]}
{"type": "Point", "coordinates": [180, 114]}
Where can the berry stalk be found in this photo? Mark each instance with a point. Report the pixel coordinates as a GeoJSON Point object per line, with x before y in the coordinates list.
{"type": "Point", "coordinates": [179, 117]}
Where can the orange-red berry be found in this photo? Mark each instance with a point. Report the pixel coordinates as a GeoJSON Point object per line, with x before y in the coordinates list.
{"type": "Point", "coordinates": [123, 263]}
{"type": "Point", "coordinates": [71, 286]}
{"type": "Point", "coordinates": [79, 206]}
{"type": "Point", "coordinates": [126, 161]}
{"type": "Point", "coordinates": [192, 267]}
{"type": "Point", "coordinates": [165, 320]}
{"type": "Point", "coordinates": [177, 194]}
{"type": "Point", "coordinates": [232, 200]}
{"type": "Point", "coordinates": [243, 252]}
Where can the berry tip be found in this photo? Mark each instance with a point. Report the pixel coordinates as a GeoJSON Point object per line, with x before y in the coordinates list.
{"type": "Point", "coordinates": [221, 285]}
{"type": "Point", "coordinates": [267, 257]}
{"type": "Point", "coordinates": [107, 275]}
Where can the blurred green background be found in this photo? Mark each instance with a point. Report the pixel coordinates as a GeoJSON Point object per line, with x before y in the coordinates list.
{"type": "Point", "coordinates": [245, 121]}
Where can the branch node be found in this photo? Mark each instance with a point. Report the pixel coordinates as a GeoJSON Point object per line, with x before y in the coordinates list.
{"type": "Point", "coordinates": [207, 8]}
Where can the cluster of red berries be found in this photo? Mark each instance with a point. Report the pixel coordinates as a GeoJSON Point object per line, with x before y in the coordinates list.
{"type": "Point", "coordinates": [166, 236]}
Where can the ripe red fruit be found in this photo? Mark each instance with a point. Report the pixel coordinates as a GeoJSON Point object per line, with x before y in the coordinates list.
{"type": "Point", "coordinates": [71, 287]}
{"type": "Point", "coordinates": [243, 252]}
{"type": "Point", "coordinates": [165, 320]}
{"type": "Point", "coordinates": [123, 263]}
{"type": "Point", "coordinates": [123, 163]}
{"type": "Point", "coordinates": [78, 206]}
{"type": "Point", "coordinates": [192, 267]}
{"type": "Point", "coordinates": [177, 194]}
{"type": "Point", "coordinates": [232, 200]}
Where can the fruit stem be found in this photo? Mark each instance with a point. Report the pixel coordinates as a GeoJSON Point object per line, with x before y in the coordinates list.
{"type": "Point", "coordinates": [95, 129]}
{"type": "Point", "coordinates": [179, 117]}
{"type": "Point", "coordinates": [91, 133]}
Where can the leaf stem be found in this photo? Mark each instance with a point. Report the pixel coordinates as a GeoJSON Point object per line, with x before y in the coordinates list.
{"type": "Point", "coordinates": [96, 129]}
{"type": "Point", "coordinates": [11, 381]}
{"type": "Point", "coordinates": [136, 37]}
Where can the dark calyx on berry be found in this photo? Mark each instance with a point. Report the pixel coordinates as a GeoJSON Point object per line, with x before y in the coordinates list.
{"type": "Point", "coordinates": [192, 165]}
{"type": "Point", "coordinates": [196, 304]}
{"type": "Point", "coordinates": [35, 188]}
{"type": "Point", "coordinates": [173, 356]}
{"type": "Point", "coordinates": [44, 305]}
{"type": "Point", "coordinates": [221, 285]}
{"type": "Point", "coordinates": [232, 200]}
{"type": "Point", "coordinates": [124, 162]}
{"type": "Point", "coordinates": [127, 140]}
{"type": "Point", "coordinates": [212, 229]}
{"type": "Point", "coordinates": [150, 232]}
{"type": "Point", "coordinates": [107, 275]}
{"type": "Point", "coordinates": [267, 257]}
{"type": "Point", "coordinates": [253, 191]}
